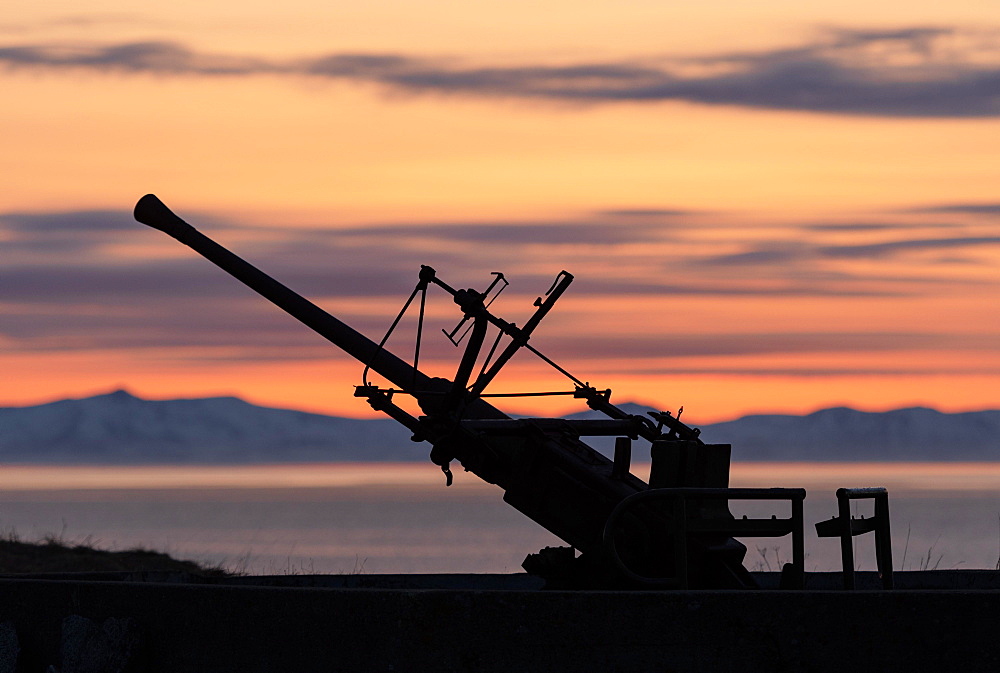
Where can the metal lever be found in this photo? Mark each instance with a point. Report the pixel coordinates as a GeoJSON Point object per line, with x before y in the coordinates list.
{"type": "Point", "coordinates": [487, 300]}
{"type": "Point", "coordinates": [520, 336]}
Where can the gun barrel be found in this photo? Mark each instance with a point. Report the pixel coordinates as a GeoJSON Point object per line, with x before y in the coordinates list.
{"type": "Point", "coordinates": [152, 212]}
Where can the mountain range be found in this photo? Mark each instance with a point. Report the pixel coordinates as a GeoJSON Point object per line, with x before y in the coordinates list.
{"type": "Point", "coordinates": [120, 428]}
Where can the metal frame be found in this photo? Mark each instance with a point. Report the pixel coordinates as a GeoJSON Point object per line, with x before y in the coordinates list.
{"type": "Point", "coordinates": [846, 527]}
{"type": "Point", "coordinates": [683, 526]}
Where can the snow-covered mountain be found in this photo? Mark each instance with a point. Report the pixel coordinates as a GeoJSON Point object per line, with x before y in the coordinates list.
{"type": "Point", "coordinates": [842, 434]}
{"type": "Point", "coordinates": [119, 428]}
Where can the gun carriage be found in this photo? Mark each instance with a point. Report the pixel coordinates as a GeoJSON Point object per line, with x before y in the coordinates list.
{"type": "Point", "coordinates": [621, 532]}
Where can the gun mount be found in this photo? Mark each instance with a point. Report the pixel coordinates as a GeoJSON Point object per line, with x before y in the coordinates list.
{"type": "Point", "coordinates": [547, 472]}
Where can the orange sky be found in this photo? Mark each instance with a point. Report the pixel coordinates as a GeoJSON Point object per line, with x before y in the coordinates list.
{"type": "Point", "coordinates": [771, 206]}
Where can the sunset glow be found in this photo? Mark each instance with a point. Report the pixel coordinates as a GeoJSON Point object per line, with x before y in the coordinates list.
{"type": "Point", "coordinates": [772, 206]}
{"type": "Point", "coordinates": [406, 479]}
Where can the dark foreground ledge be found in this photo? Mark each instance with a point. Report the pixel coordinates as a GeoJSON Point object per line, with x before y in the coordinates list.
{"type": "Point", "coordinates": [295, 624]}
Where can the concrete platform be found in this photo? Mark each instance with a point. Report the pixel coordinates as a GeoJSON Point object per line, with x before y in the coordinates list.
{"type": "Point", "coordinates": [444, 623]}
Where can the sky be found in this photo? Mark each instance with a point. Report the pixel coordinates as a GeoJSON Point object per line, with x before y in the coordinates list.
{"type": "Point", "coordinates": [767, 207]}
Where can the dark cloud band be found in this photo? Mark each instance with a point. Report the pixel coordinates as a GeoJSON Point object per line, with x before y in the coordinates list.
{"type": "Point", "coordinates": [920, 72]}
{"type": "Point", "coordinates": [72, 281]}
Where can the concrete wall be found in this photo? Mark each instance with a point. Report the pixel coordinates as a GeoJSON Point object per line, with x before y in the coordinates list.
{"type": "Point", "coordinates": [122, 626]}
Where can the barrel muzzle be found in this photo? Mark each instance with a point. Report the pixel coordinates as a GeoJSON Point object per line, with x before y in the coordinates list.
{"type": "Point", "coordinates": [152, 212]}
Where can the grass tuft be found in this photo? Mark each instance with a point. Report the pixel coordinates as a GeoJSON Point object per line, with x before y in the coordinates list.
{"type": "Point", "coordinates": [54, 554]}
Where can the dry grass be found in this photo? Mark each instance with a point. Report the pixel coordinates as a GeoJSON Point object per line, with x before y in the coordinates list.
{"type": "Point", "coordinates": [52, 554]}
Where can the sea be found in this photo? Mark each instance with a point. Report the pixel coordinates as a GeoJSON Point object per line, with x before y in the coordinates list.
{"type": "Point", "coordinates": [357, 518]}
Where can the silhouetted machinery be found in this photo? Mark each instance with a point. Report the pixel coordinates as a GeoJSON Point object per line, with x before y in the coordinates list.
{"type": "Point", "coordinates": [677, 531]}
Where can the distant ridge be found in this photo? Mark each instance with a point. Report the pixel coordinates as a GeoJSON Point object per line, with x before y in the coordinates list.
{"type": "Point", "coordinates": [120, 428]}
{"type": "Point", "coordinates": [843, 434]}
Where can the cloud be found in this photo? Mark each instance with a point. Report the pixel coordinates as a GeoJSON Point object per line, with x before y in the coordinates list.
{"type": "Point", "coordinates": [74, 231]}
{"type": "Point", "coordinates": [554, 233]}
{"type": "Point", "coordinates": [887, 248]}
{"type": "Point", "coordinates": [92, 279]}
{"type": "Point", "coordinates": [648, 213]}
{"type": "Point", "coordinates": [77, 21]}
{"type": "Point", "coordinates": [962, 208]}
{"type": "Point", "coordinates": [88, 221]}
{"type": "Point", "coordinates": [703, 285]}
{"type": "Point", "coordinates": [115, 284]}
{"type": "Point", "coordinates": [96, 279]}
{"type": "Point", "coordinates": [740, 344]}
{"type": "Point", "coordinates": [862, 226]}
{"type": "Point", "coordinates": [776, 253]}
{"type": "Point", "coordinates": [806, 372]}
{"type": "Point", "coordinates": [911, 72]}
{"type": "Point", "coordinates": [161, 304]}
{"type": "Point", "coordinates": [99, 256]}
{"type": "Point", "coordinates": [162, 58]}
{"type": "Point", "coordinates": [50, 234]}
{"type": "Point", "coordinates": [316, 261]}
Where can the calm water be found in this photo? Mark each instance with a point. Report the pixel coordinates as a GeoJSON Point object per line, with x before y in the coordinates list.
{"type": "Point", "coordinates": [400, 518]}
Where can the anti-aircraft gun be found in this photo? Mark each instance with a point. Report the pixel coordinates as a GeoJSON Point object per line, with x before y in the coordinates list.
{"type": "Point", "coordinates": [618, 535]}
